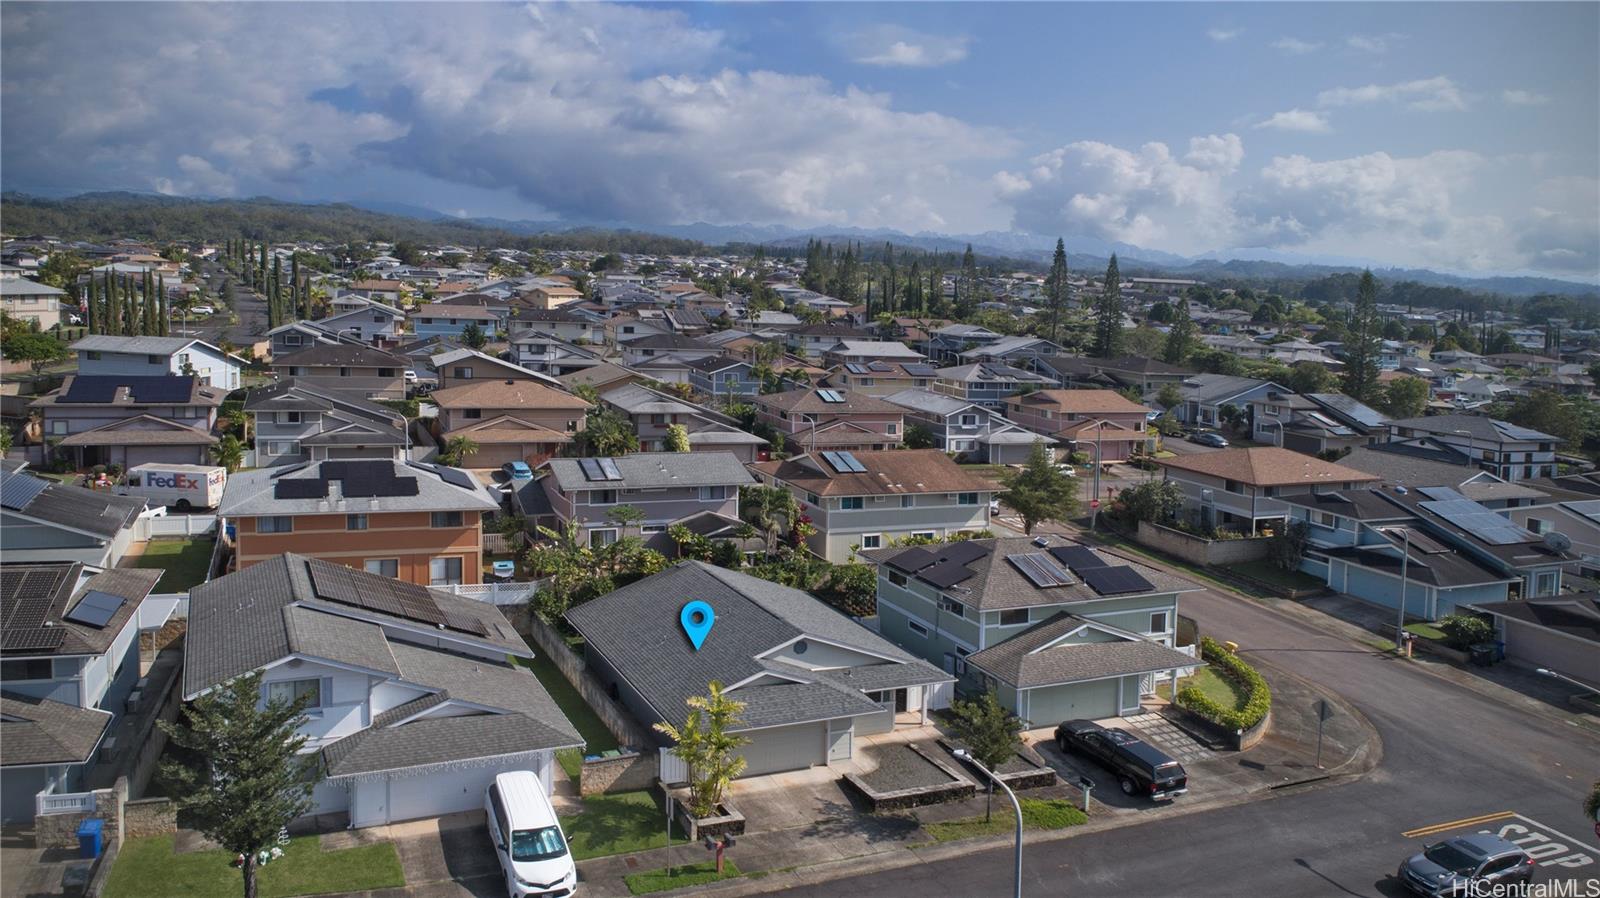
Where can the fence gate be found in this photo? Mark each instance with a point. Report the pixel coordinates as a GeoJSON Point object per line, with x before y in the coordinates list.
{"type": "Point", "coordinates": [673, 770]}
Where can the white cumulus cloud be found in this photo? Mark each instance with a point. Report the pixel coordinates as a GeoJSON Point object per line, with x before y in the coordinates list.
{"type": "Point", "coordinates": [1296, 46]}
{"type": "Point", "coordinates": [1515, 97]}
{"type": "Point", "coordinates": [1223, 35]}
{"type": "Point", "coordinates": [1427, 94]}
{"type": "Point", "coordinates": [1297, 120]}
{"type": "Point", "coordinates": [894, 46]}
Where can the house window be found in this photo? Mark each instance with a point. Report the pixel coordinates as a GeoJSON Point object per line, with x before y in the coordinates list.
{"type": "Point", "coordinates": [892, 429]}
{"type": "Point", "coordinates": [811, 498]}
{"type": "Point", "coordinates": [386, 372]}
{"type": "Point", "coordinates": [951, 605]}
{"type": "Point", "coordinates": [908, 501]}
{"type": "Point", "coordinates": [967, 499]}
{"type": "Point", "coordinates": [383, 567]}
{"type": "Point", "coordinates": [1546, 585]}
{"type": "Point", "coordinates": [897, 578]}
{"type": "Point", "coordinates": [602, 497]}
{"type": "Point", "coordinates": [282, 447]}
{"type": "Point", "coordinates": [275, 524]}
{"type": "Point", "coordinates": [463, 372]}
{"type": "Point", "coordinates": [442, 571]}
{"type": "Point", "coordinates": [599, 539]}
{"type": "Point", "coordinates": [917, 628]}
{"type": "Point", "coordinates": [1158, 622]}
{"type": "Point", "coordinates": [446, 519]}
{"type": "Point", "coordinates": [1013, 618]}
{"type": "Point", "coordinates": [658, 419]}
{"type": "Point", "coordinates": [1325, 519]}
{"type": "Point", "coordinates": [288, 417]}
{"type": "Point", "coordinates": [344, 372]}
{"type": "Point", "coordinates": [472, 413]}
{"type": "Point", "coordinates": [58, 427]}
{"type": "Point", "coordinates": [153, 359]}
{"type": "Point", "coordinates": [1538, 526]}
{"type": "Point", "coordinates": [713, 493]}
{"type": "Point", "coordinates": [872, 541]}
{"type": "Point", "coordinates": [93, 356]}
{"type": "Point", "coordinates": [26, 669]}
{"type": "Point", "coordinates": [293, 690]}
{"type": "Point", "coordinates": [1232, 486]}
{"type": "Point", "coordinates": [969, 420]}
{"type": "Point", "coordinates": [653, 528]}
{"type": "Point", "coordinates": [355, 522]}
{"type": "Point", "coordinates": [923, 534]}
{"type": "Point", "coordinates": [850, 503]}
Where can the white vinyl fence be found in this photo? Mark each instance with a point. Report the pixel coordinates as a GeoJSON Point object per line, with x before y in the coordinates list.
{"type": "Point", "coordinates": [495, 593]}
{"type": "Point", "coordinates": [181, 525]}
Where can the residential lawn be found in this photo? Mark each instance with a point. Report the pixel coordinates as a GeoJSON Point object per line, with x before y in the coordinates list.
{"type": "Point", "coordinates": [1037, 813]}
{"type": "Point", "coordinates": [1382, 645]}
{"type": "Point", "coordinates": [1426, 631]}
{"type": "Point", "coordinates": [1267, 572]}
{"type": "Point", "coordinates": [615, 824]}
{"type": "Point", "coordinates": [148, 868]}
{"type": "Point", "coordinates": [1217, 688]}
{"type": "Point", "coordinates": [184, 560]}
{"type": "Point", "coordinates": [596, 737]}
{"type": "Point", "coordinates": [687, 875]}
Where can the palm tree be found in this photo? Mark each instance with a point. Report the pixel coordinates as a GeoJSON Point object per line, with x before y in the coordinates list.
{"type": "Point", "coordinates": [229, 453]}
{"type": "Point", "coordinates": [457, 450]}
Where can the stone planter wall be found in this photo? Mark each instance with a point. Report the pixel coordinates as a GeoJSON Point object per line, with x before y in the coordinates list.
{"type": "Point", "coordinates": [729, 822]}
{"type": "Point", "coordinates": [1224, 738]}
{"type": "Point", "coordinates": [150, 817]}
{"type": "Point", "coordinates": [1198, 550]}
{"type": "Point", "coordinates": [957, 788]}
{"type": "Point", "coordinates": [1440, 650]}
{"type": "Point", "coordinates": [1037, 776]}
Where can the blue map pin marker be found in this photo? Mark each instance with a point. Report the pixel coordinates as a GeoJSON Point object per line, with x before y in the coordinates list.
{"type": "Point", "coordinates": [697, 618]}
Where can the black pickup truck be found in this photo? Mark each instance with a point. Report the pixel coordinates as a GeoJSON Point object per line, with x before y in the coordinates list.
{"type": "Point", "coordinates": [1140, 768]}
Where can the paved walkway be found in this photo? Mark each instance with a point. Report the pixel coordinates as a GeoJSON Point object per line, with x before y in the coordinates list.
{"type": "Point", "coordinates": [1158, 730]}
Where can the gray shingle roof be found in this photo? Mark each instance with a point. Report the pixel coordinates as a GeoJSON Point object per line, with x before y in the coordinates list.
{"type": "Point", "coordinates": [41, 731]}
{"type": "Point", "coordinates": [1212, 388]}
{"type": "Point", "coordinates": [921, 400]}
{"type": "Point", "coordinates": [654, 470]}
{"type": "Point", "coordinates": [442, 740]}
{"type": "Point", "coordinates": [1481, 428]}
{"type": "Point", "coordinates": [252, 493]}
{"type": "Point", "coordinates": [80, 509]}
{"type": "Point", "coordinates": [1023, 661]}
{"type": "Point", "coordinates": [341, 354]}
{"type": "Point", "coordinates": [636, 630]}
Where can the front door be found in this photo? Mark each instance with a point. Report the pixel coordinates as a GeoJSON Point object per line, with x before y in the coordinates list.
{"type": "Point", "coordinates": [839, 741]}
{"type": "Point", "coordinates": [899, 700]}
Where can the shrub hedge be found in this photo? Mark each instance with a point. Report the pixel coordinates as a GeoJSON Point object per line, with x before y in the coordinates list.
{"type": "Point", "coordinates": [1234, 668]}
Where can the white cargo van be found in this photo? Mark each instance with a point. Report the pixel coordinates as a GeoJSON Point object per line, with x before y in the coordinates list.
{"type": "Point", "coordinates": [185, 486]}
{"type": "Point", "coordinates": [528, 840]}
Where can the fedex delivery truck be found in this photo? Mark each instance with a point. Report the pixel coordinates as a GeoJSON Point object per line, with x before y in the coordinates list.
{"type": "Point", "coordinates": [184, 486]}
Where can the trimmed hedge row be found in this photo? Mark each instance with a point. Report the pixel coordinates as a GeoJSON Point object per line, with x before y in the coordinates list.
{"type": "Point", "coordinates": [1234, 668]}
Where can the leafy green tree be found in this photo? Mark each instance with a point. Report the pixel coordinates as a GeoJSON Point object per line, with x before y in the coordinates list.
{"type": "Point", "coordinates": [1309, 377]}
{"type": "Point", "coordinates": [457, 449]}
{"type": "Point", "coordinates": [853, 588]}
{"type": "Point", "coordinates": [1041, 491]}
{"type": "Point", "coordinates": [1180, 336]}
{"type": "Point", "coordinates": [990, 733]}
{"type": "Point", "coordinates": [704, 744]}
{"type": "Point", "coordinates": [253, 779]}
{"type": "Point", "coordinates": [772, 510]}
{"type": "Point", "coordinates": [1108, 314]}
{"type": "Point", "coordinates": [1156, 501]}
{"type": "Point", "coordinates": [1169, 396]}
{"type": "Point", "coordinates": [919, 437]}
{"type": "Point", "coordinates": [473, 336]}
{"type": "Point", "coordinates": [606, 433]}
{"type": "Point", "coordinates": [1365, 341]}
{"type": "Point", "coordinates": [228, 452]}
{"type": "Point", "coordinates": [1055, 287]}
{"type": "Point", "coordinates": [1405, 397]}
{"type": "Point", "coordinates": [677, 439]}
{"type": "Point", "coordinates": [36, 348]}
{"type": "Point", "coordinates": [1591, 803]}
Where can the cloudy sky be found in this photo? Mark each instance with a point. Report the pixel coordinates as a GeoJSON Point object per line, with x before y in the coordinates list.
{"type": "Point", "coordinates": [1460, 136]}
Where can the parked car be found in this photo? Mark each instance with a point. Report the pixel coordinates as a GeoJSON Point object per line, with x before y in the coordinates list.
{"type": "Point", "coordinates": [517, 470]}
{"type": "Point", "coordinates": [1140, 768]}
{"type": "Point", "coordinates": [1209, 438]}
{"type": "Point", "coordinates": [411, 375]}
{"type": "Point", "coordinates": [1479, 864]}
{"type": "Point", "coordinates": [527, 837]}
{"type": "Point", "coordinates": [74, 318]}
{"type": "Point", "coordinates": [202, 310]}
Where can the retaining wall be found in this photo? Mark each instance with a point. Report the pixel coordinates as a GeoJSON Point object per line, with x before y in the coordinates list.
{"type": "Point", "coordinates": [1198, 550]}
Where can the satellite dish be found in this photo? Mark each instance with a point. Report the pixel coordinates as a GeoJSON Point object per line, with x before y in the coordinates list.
{"type": "Point", "coordinates": [1557, 541]}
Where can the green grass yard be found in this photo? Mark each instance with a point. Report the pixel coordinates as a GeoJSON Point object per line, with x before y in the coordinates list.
{"type": "Point", "coordinates": [616, 824]}
{"type": "Point", "coordinates": [148, 868]}
{"type": "Point", "coordinates": [186, 562]}
{"type": "Point", "coordinates": [687, 875]}
{"type": "Point", "coordinates": [596, 737]}
{"type": "Point", "coordinates": [1217, 688]}
{"type": "Point", "coordinates": [1037, 813]}
{"type": "Point", "coordinates": [1426, 631]}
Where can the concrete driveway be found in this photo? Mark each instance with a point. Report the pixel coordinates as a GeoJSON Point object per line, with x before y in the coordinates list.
{"type": "Point", "coordinates": [445, 857]}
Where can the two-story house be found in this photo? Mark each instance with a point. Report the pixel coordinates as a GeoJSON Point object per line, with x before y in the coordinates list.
{"type": "Point", "coordinates": [1060, 631]}
{"type": "Point", "coordinates": [667, 487]}
{"type": "Point", "coordinates": [70, 664]}
{"type": "Point", "coordinates": [1242, 488]}
{"type": "Point", "coordinates": [967, 429]}
{"type": "Point", "coordinates": [812, 340]}
{"type": "Point", "coordinates": [945, 343]}
{"type": "Point", "coordinates": [538, 351]}
{"type": "Point", "coordinates": [43, 520]}
{"type": "Point", "coordinates": [866, 500]}
{"type": "Point", "coordinates": [359, 370]}
{"type": "Point", "coordinates": [1144, 374]}
{"type": "Point", "coordinates": [989, 384]}
{"type": "Point", "coordinates": [723, 377]}
{"type": "Point", "coordinates": [449, 320]}
{"type": "Point", "coordinates": [509, 420]}
{"type": "Point", "coordinates": [297, 335]}
{"type": "Point", "coordinates": [1505, 449]}
{"type": "Point", "coordinates": [647, 349]}
{"type": "Point", "coordinates": [1018, 351]}
{"type": "Point", "coordinates": [571, 325]}
{"type": "Point", "coordinates": [385, 291]}
{"type": "Point", "coordinates": [457, 367]}
{"type": "Point", "coordinates": [130, 419]}
{"type": "Point", "coordinates": [27, 300]}
{"type": "Point", "coordinates": [1205, 396]}
{"type": "Point", "coordinates": [824, 418]}
{"type": "Point", "coordinates": [367, 320]}
{"type": "Point", "coordinates": [882, 378]}
{"type": "Point", "coordinates": [418, 698]}
{"type": "Point", "coordinates": [654, 412]}
{"type": "Point", "coordinates": [297, 422]}
{"type": "Point", "coordinates": [103, 354]}
{"type": "Point", "coordinates": [864, 352]}
{"type": "Point", "coordinates": [414, 522]}
{"type": "Point", "coordinates": [552, 296]}
{"type": "Point", "coordinates": [1103, 424]}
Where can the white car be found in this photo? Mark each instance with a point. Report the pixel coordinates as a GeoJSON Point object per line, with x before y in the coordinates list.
{"type": "Point", "coordinates": [202, 310]}
{"type": "Point", "coordinates": [527, 837]}
{"type": "Point", "coordinates": [411, 376]}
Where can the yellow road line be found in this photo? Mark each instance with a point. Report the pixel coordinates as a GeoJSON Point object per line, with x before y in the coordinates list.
{"type": "Point", "coordinates": [1468, 821]}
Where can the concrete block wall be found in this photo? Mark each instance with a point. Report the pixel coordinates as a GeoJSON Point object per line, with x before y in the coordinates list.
{"type": "Point", "coordinates": [1197, 550]}
{"type": "Point", "coordinates": [627, 773]}
{"type": "Point", "coordinates": [149, 817]}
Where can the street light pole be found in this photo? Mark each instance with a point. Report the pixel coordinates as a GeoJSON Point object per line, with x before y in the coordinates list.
{"type": "Point", "coordinates": [1547, 672]}
{"type": "Point", "coordinates": [1094, 510]}
{"type": "Point", "coordinates": [1400, 622]}
{"type": "Point", "coordinates": [965, 755]}
{"type": "Point", "coordinates": [1472, 448]}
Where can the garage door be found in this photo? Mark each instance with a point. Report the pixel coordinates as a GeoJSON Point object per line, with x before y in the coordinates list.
{"type": "Point", "coordinates": [493, 456]}
{"type": "Point", "coordinates": [445, 792]}
{"type": "Point", "coordinates": [1050, 705]}
{"type": "Point", "coordinates": [144, 455]}
{"type": "Point", "coordinates": [784, 748]}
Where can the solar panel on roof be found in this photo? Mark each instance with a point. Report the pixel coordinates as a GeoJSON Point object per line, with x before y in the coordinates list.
{"type": "Point", "coordinates": [963, 552]}
{"type": "Point", "coordinates": [920, 369]}
{"type": "Point", "coordinates": [1040, 570]}
{"type": "Point", "coordinates": [1118, 580]}
{"type": "Point", "coordinates": [347, 586]}
{"type": "Point", "coordinates": [913, 560]}
{"type": "Point", "coordinates": [33, 639]}
{"type": "Point", "coordinates": [465, 623]}
{"type": "Point", "coordinates": [832, 458]}
{"type": "Point", "coordinates": [945, 574]}
{"type": "Point", "coordinates": [852, 464]}
{"type": "Point", "coordinates": [854, 368]}
{"type": "Point", "coordinates": [17, 490]}
{"type": "Point", "coordinates": [608, 467]}
{"type": "Point", "coordinates": [831, 396]}
{"type": "Point", "coordinates": [591, 469]}
{"type": "Point", "coordinates": [1477, 520]}
{"type": "Point", "coordinates": [1079, 558]}
{"type": "Point", "coordinates": [1514, 432]}
{"type": "Point", "coordinates": [1441, 493]}
{"type": "Point", "coordinates": [456, 476]}
{"type": "Point", "coordinates": [93, 388]}
{"type": "Point", "coordinates": [880, 366]}
{"type": "Point", "coordinates": [161, 389]}
{"type": "Point", "coordinates": [300, 488]}
{"type": "Point", "coordinates": [96, 609]}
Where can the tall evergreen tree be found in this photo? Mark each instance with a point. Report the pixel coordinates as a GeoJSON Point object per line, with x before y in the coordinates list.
{"type": "Point", "coordinates": [1364, 342]}
{"type": "Point", "coordinates": [1055, 287]}
{"type": "Point", "coordinates": [164, 312]}
{"type": "Point", "coordinates": [114, 307]}
{"type": "Point", "coordinates": [1180, 339]}
{"type": "Point", "coordinates": [261, 272]}
{"type": "Point", "coordinates": [1108, 315]}
{"type": "Point", "coordinates": [891, 280]}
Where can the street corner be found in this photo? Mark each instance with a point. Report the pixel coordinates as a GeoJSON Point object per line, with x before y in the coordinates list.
{"type": "Point", "coordinates": [1565, 864]}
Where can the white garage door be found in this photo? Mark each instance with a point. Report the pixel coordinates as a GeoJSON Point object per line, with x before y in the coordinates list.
{"type": "Point", "coordinates": [1050, 705]}
{"type": "Point", "coordinates": [445, 792]}
{"type": "Point", "coordinates": [784, 748]}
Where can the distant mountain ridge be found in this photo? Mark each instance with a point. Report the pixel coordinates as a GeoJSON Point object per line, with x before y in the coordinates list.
{"type": "Point", "coordinates": [98, 216]}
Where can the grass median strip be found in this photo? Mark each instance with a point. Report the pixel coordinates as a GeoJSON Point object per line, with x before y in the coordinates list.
{"type": "Point", "coordinates": [1037, 813]}
{"type": "Point", "coordinates": [617, 824]}
{"type": "Point", "coordinates": [687, 875]}
{"type": "Point", "coordinates": [148, 868]}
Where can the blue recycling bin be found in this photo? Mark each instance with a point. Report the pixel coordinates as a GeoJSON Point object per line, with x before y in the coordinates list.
{"type": "Point", "coordinates": [91, 834]}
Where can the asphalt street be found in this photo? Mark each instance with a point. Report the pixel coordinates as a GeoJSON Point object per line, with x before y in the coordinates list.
{"type": "Point", "coordinates": [250, 307]}
{"type": "Point", "coordinates": [1449, 754]}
